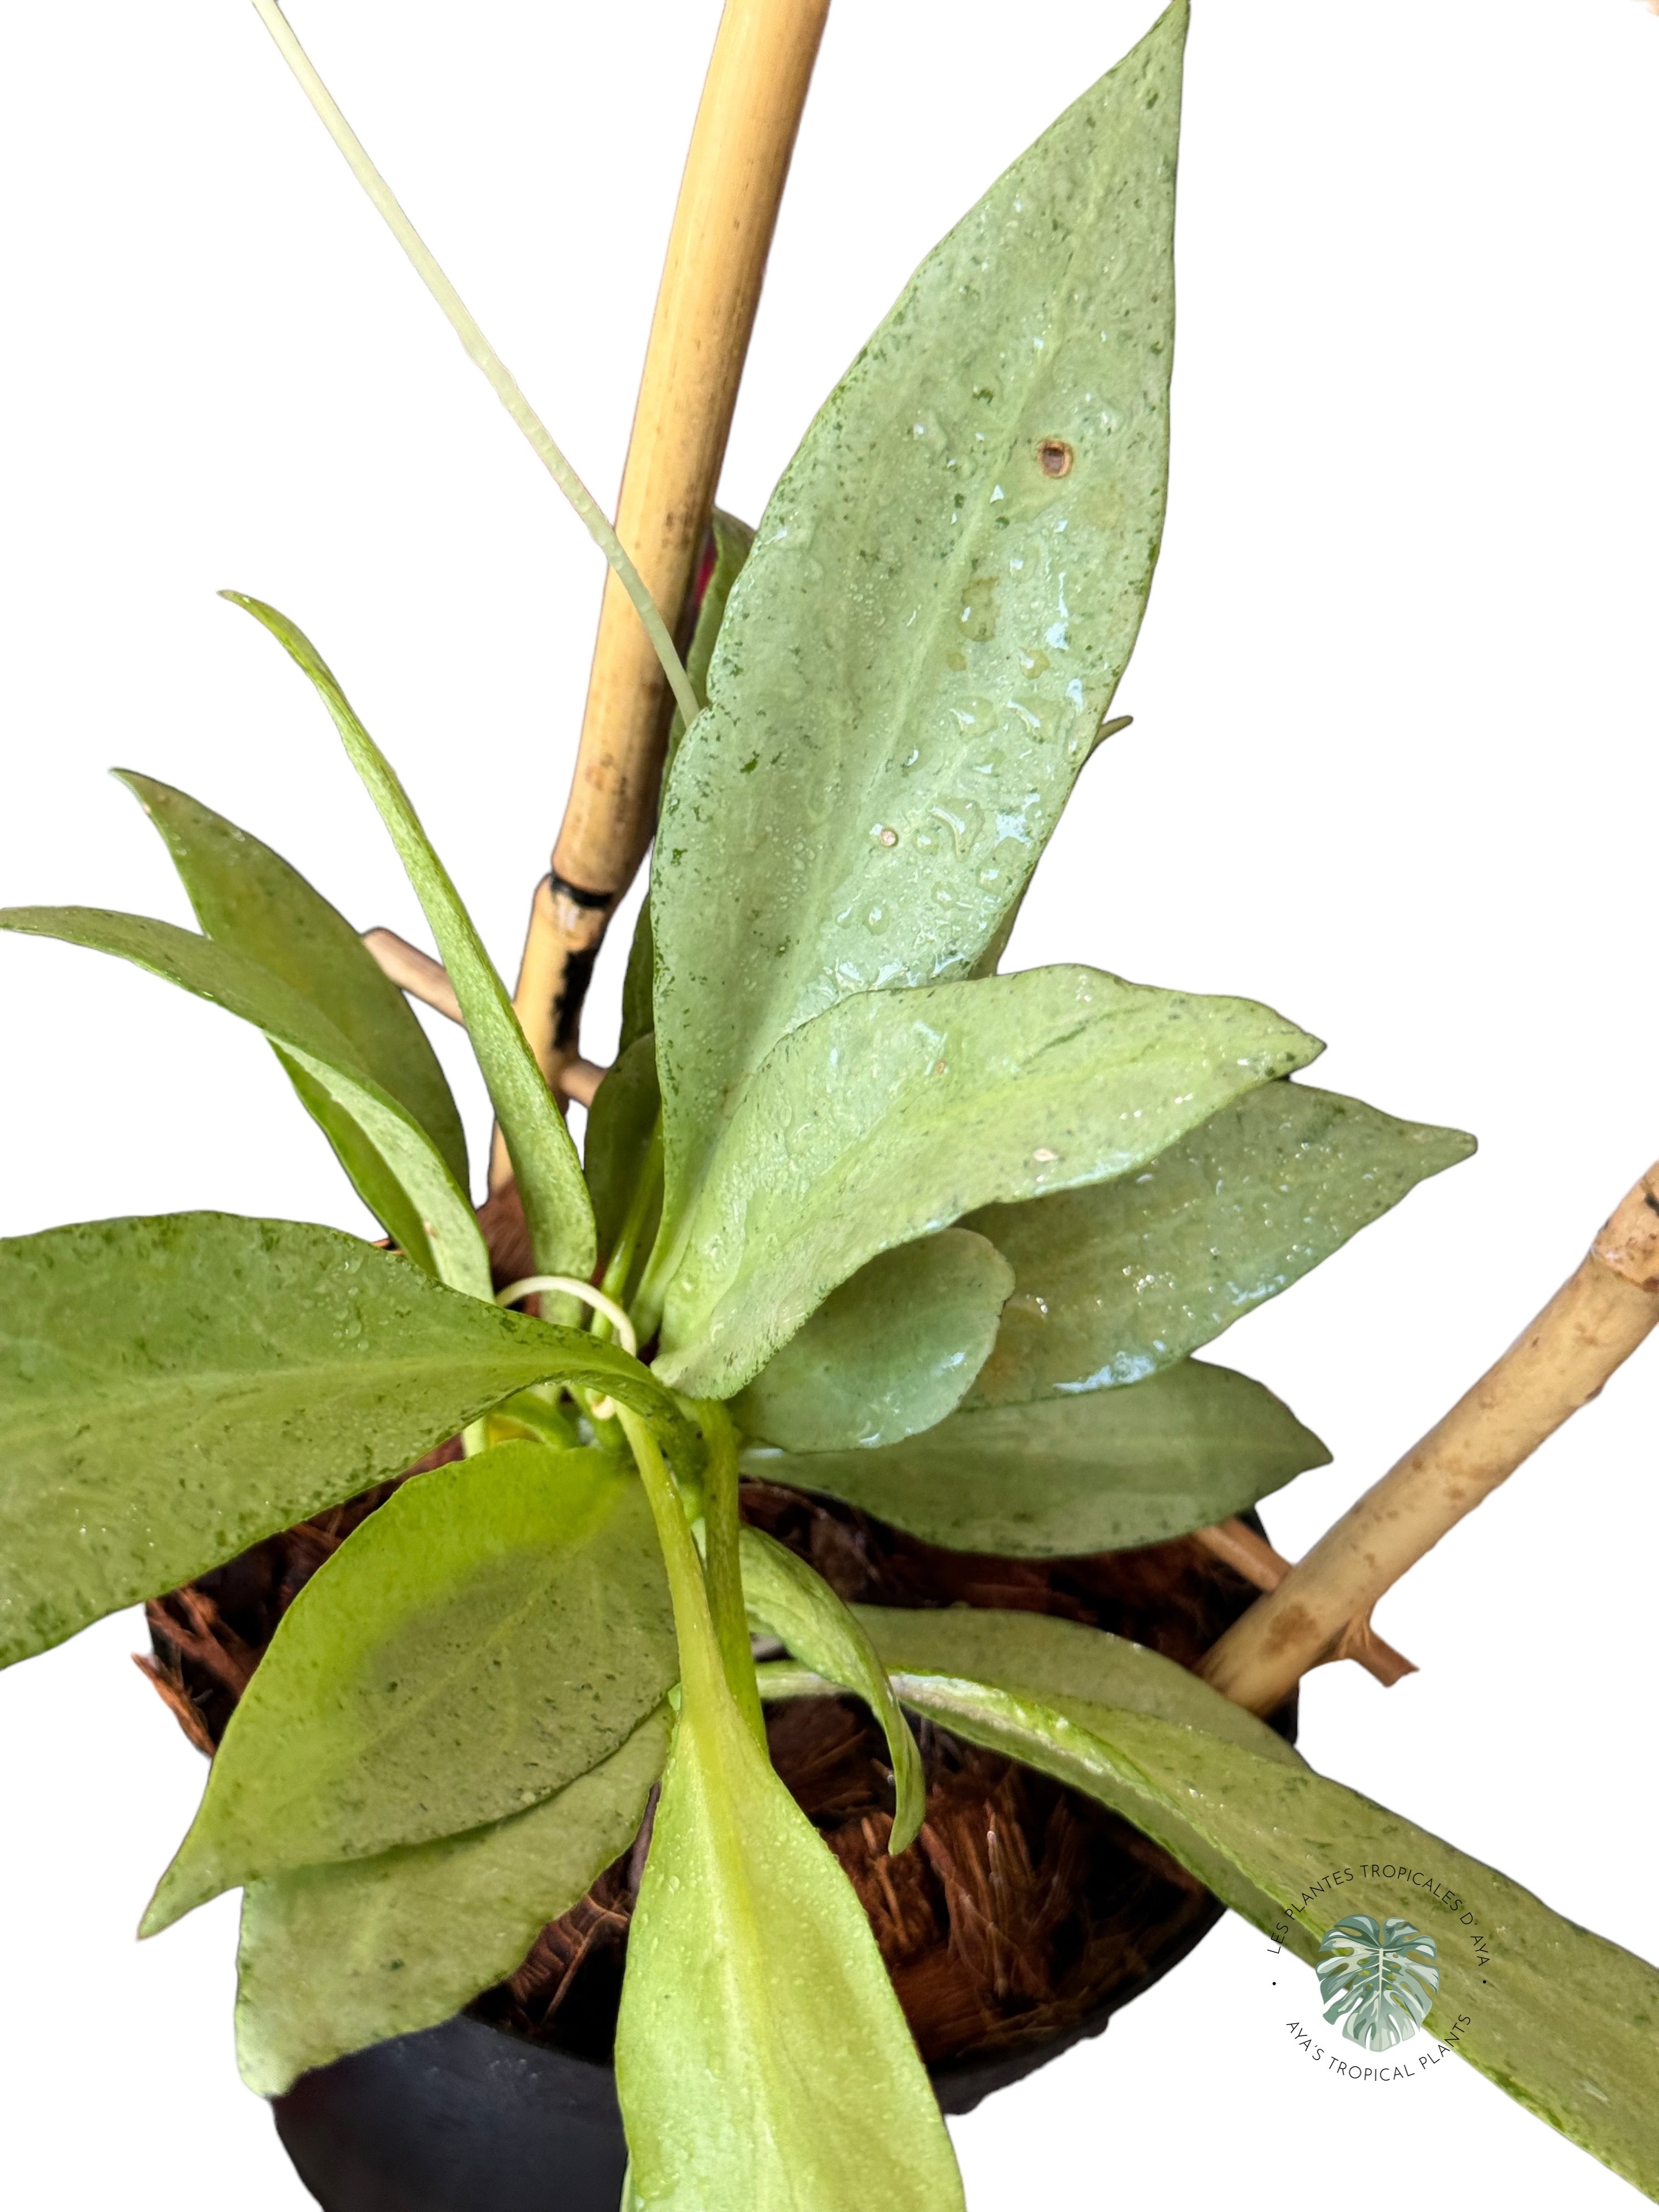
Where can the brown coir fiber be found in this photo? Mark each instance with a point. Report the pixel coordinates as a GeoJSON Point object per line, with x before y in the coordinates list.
{"type": "Point", "coordinates": [1021, 1910]}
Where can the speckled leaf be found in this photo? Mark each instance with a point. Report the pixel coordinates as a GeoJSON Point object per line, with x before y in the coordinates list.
{"type": "Point", "coordinates": [791, 1600]}
{"type": "Point", "coordinates": [1564, 2022]}
{"type": "Point", "coordinates": [888, 1354]}
{"type": "Point", "coordinates": [496, 1629]}
{"type": "Point", "coordinates": [1096, 1473]}
{"type": "Point", "coordinates": [620, 1122]}
{"type": "Point", "coordinates": [763, 2060]}
{"type": "Point", "coordinates": [732, 540]}
{"type": "Point", "coordinates": [248, 897]}
{"type": "Point", "coordinates": [1120, 1279]}
{"type": "Point", "coordinates": [544, 1162]}
{"type": "Point", "coordinates": [309, 1039]}
{"type": "Point", "coordinates": [944, 591]}
{"type": "Point", "coordinates": [1079, 1675]}
{"type": "Point", "coordinates": [334, 1958]}
{"type": "Point", "coordinates": [897, 1112]}
{"type": "Point", "coordinates": [173, 1389]}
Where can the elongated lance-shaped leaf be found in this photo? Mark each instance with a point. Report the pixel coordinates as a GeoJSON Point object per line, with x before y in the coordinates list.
{"type": "Point", "coordinates": [897, 1112]}
{"type": "Point", "coordinates": [549, 1178]}
{"type": "Point", "coordinates": [621, 1123]}
{"type": "Point", "coordinates": [492, 1632]}
{"type": "Point", "coordinates": [173, 1389]}
{"type": "Point", "coordinates": [1561, 2020]}
{"type": "Point", "coordinates": [890, 1353]}
{"type": "Point", "coordinates": [307, 1038]}
{"type": "Point", "coordinates": [1079, 1675]}
{"type": "Point", "coordinates": [334, 1958]}
{"type": "Point", "coordinates": [1096, 1473]}
{"type": "Point", "coordinates": [790, 1599]}
{"type": "Point", "coordinates": [943, 594]}
{"type": "Point", "coordinates": [763, 2060]}
{"type": "Point", "coordinates": [1126, 1277]}
{"type": "Point", "coordinates": [732, 540]}
{"type": "Point", "coordinates": [248, 897]}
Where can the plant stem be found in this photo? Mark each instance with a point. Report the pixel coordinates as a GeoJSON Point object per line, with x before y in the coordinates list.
{"type": "Point", "coordinates": [480, 351]}
{"type": "Point", "coordinates": [619, 1266]}
{"type": "Point", "coordinates": [728, 204]}
{"type": "Point", "coordinates": [703, 1672]}
{"type": "Point", "coordinates": [1589, 1328]}
{"type": "Point", "coordinates": [724, 1572]}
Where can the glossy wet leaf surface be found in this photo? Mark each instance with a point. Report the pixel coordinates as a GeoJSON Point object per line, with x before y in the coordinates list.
{"type": "Point", "coordinates": [789, 1599]}
{"type": "Point", "coordinates": [174, 1389]}
{"type": "Point", "coordinates": [1095, 1473]}
{"type": "Point", "coordinates": [544, 1162]}
{"type": "Point", "coordinates": [619, 1125]}
{"type": "Point", "coordinates": [762, 2059]}
{"type": "Point", "coordinates": [334, 1958]}
{"type": "Point", "coordinates": [306, 1036]}
{"type": "Point", "coordinates": [496, 1629]}
{"type": "Point", "coordinates": [898, 1112]}
{"type": "Point", "coordinates": [248, 897]}
{"type": "Point", "coordinates": [1119, 1280]}
{"type": "Point", "coordinates": [943, 594]}
{"type": "Point", "coordinates": [1564, 2022]}
{"type": "Point", "coordinates": [890, 1352]}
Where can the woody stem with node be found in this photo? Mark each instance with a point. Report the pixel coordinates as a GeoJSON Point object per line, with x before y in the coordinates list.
{"type": "Point", "coordinates": [728, 204]}
{"type": "Point", "coordinates": [1588, 1330]}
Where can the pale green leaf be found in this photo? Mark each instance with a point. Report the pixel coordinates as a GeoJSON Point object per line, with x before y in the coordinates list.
{"type": "Point", "coordinates": [918, 654]}
{"type": "Point", "coordinates": [173, 1389]}
{"type": "Point", "coordinates": [550, 1179]}
{"type": "Point", "coordinates": [890, 1352]}
{"type": "Point", "coordinates": [367, 1172]}
{"type": "Point", "coordinates": [1117, 1280]}
{"type": "Point", "coordinates": [1564, 2022]}
{"type": "Point", "coordinates": [763, 2060]}
{"type": "Point", "coordinates": [898, 1112]}
{"type": "Point", "coordinates": [620, 1124]}
{"type": "Point", "coordinates": [334, 1958]}
{"type": "Point", "coordinates": [312, 1042]}
{"type": "Point", "coordinates": [1099, 1472]}
{"type": "Point", "coordinates": [1077, 1674]}
{"type": "Point", "coordinates": [497, 1628]}
{"type": "Point", "coordinates": [248, 897]}
{"type": "Point", "coordinates": [786, 1595]}
{"type": "Point", "coordinates": [732, 540]}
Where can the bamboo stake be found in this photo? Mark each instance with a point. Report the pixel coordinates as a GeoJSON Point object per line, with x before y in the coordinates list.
{"type": "Point", "coordinates": [723, 224]}
{"type": "Point", "coordinates": [1588, 1330]}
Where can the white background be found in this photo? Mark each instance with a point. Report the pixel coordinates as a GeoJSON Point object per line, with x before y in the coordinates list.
{"type": "Point", "coordinates": [1390, 771]}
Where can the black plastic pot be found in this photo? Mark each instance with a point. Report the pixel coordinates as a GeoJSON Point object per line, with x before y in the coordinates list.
{"type": "Point", "coordinates": [466, 2119]}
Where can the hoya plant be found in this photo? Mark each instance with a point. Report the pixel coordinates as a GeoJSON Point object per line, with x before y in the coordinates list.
{"type": "Point", "coordinates": [858, 1214]}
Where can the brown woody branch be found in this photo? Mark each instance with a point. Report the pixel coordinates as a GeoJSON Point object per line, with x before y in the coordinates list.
{"type": "Point", "coordinates": [427, 980]}
{"type": "Point", "coordinates": [723, 225]}
{"type": "Point", "coordinates": [1589, 1328]}
{"type": "Point", "coordinates": [1254, 1558]}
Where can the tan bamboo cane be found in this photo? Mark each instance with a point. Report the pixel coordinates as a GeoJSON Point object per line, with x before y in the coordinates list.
{"type": "Point", "coordinates": [1589, 1328]}
{"type": "Point", "coordinates": [728, 204]}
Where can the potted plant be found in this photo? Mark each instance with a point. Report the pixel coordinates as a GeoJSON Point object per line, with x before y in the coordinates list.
{"type": "Point", "coordinates": [922, 1249]}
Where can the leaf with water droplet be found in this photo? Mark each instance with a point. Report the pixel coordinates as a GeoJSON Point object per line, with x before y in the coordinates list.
{"type": "Point", "coordinates": [922, 490]}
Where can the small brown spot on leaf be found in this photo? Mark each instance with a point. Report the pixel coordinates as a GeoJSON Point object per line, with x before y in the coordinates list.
{"type": "Point", "coordinates": [1054, 458]}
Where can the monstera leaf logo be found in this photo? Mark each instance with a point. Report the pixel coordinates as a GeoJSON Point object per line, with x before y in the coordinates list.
{"type": "Point", "coordinates": [1378, 1977]}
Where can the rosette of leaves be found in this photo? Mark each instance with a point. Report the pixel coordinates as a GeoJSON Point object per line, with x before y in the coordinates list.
{"type": "Point", "coordinates": [937, 1239]}
{"type": "Point", "coordinates": [1379, 1978]}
